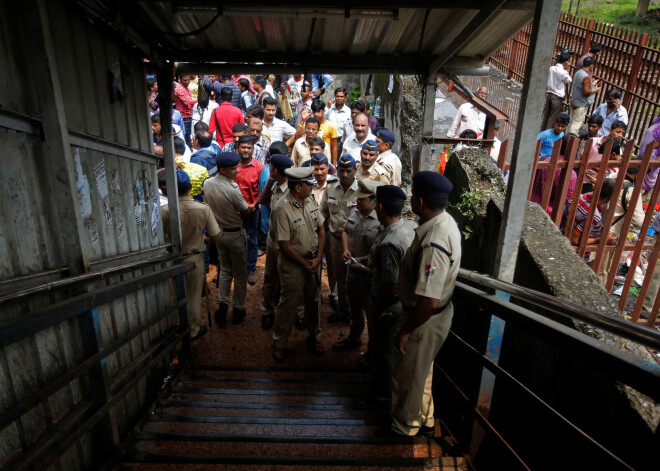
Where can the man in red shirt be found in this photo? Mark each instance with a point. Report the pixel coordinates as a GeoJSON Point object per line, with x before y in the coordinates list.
{"type": "Point", "coordinates": [224, 117]}
{"type": "Point", "coordinates": [184, 102]}
{"type": "Point", "coordinates": [249, 170]}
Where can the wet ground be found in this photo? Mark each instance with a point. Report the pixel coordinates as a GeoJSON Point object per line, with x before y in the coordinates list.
{"type": "Point", "coordinates": [247, 344]}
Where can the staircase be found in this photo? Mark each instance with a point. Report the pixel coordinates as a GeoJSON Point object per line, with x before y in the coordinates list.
{"type": "Point", "coordinates": [265, 418]}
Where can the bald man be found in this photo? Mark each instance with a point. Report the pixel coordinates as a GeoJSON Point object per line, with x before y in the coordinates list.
{"type": "Point", "coordinates": [469, 117]}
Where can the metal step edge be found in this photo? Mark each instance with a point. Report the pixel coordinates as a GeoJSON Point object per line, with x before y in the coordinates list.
{"type": "Point", "coordinates": [279, 406]}
{"type": "Point", "coordinates": [237, 379]}
{"type": "Point", "coordinates": [390, 463]}
{"type": "Point", "coordinates": [202, 437]}
{"type": "Point", "coordinates": [260, 420]}
{"type": "Point", "coordinates": [271, 369]}
{"type": "Point", "coordinates": [266, 392]}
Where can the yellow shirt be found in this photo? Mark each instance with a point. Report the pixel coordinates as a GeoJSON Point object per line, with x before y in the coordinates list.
{"type": "Point", "coordinates": [327, 132]}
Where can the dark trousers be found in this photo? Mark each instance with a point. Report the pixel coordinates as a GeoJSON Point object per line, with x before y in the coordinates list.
{"type": "Point", "coordinates": [251, 227]}
{"type": "Point", "coordinates": [187, 124]}
{"type": "Point", "coordinates": [550, 111]}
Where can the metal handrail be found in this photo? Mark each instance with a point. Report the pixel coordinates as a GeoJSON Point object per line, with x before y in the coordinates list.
{"type": "Point", "coordinates": [59, 284]}
{"type": "Point", "coordinates": [642, 335]}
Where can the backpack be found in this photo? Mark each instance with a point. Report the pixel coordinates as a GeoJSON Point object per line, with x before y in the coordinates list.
{"type": "Point", "coordinates": [624, 202]}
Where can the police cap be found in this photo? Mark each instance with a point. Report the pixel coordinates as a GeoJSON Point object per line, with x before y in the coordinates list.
{"type": "Point", "coordinates": [367, 188]}
{"type": "Point", "coordinates": [227, 159]}
{"type": "Point", "coordinates": [427, 183]}
{"type": "Point", "coordinates": [370, 145]}
{"type": "Point", "coordinates": [281, 162]}
{"type": "Point", "coordinates": [183, 184]}
{"type": "Point", "coordinates": [390, 193]}
{"type": "Point", "coordinates": [319, 158]}
{"type": "Point", "coordinates": [346, 161]}
{"type": "Point", "coordinates": [386, 136]}
{"type": "Point", "coordinates": [301, 175]}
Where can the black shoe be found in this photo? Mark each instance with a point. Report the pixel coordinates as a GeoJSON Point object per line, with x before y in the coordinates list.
{"type": "Point", "coordinates": [267, 321]}
{"type": "Point", "coordinates": [315, 347]}
{"type": "Point", "coordinates": [334, 317]}
{"type": "Point", "coordinates": [202, 330]}
{"type": "Point", "coordinates": [334, 304]}
{"type": "Point", "coordinates": [238, 316]}
{"type": "Point", "coordinates": [346, 344]}
{"type": "Point", "coordinates": [300, 323]}
{"type": "Point", "coordinates": [425, 431]}
{"type": "Point", "coordinates": [363, 362]}
{"type": "Point", "coordinates": [221, 314]}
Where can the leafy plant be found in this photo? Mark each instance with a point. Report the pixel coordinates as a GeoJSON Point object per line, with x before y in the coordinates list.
{"type": "Point", "coordinates": [356, 93]}
{"type": "Point", "coordinates": [467, 206]}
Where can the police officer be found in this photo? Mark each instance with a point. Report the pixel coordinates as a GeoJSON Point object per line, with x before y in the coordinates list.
{"type": "Point", "coordinates": [385, 258]}
{"type": "Point", "coordinates": [229, 208]}
{"type": "Point", "coordinates": [299, 231]}
{"type": "Point", "coordinates": [337, 202]}
{"type": "Point", "coordinates": [358, 236]}
{"type": "Point", "coordinates": [275, 189]}
{"type": "Point", "coordinates": [368, 168]}
{"type": "Point", "coordinates": [426, 284]}
{"type": "Point", "coordinates": [195, 218]}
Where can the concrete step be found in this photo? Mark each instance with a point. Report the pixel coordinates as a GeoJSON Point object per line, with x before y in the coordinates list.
{"type": "Point", "coordinates": [438, 464]}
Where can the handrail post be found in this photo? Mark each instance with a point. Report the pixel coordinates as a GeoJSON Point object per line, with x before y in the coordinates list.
{"type": "Point", "coordinates": [587, 36]}
{"type": "Point", "coordinates": [634, 72]}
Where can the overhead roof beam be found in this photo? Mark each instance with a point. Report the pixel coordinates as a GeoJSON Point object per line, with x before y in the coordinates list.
{"type": "Point", "coordinates": [475, 26]}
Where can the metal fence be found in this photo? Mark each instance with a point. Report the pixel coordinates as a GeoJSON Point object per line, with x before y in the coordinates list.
{"type": "Point", "coordinates": [629, 60]}
{"type": "Point", "coordinates": [603, 258]}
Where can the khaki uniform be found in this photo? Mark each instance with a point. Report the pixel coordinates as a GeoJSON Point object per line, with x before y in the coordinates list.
{"type": "Point", "coordinates": [195, 218]}
{"type": "Point", "coordinates": [335, 205]}
{"type": "Point", "coordinates": [392, 165]}
{"type": "Point", "coordinates": [362, 232]}
{"type": "Point", "coordinates": [225, 199]}
{"type": "Point", "coordinates": [297, 224]}
{"type": "Point", "coordinates": [385, 260]}
{"type": "Point", "coordinates": [429, 269]}
{"type": "Point", "coordinates": [376, 173]}
{"type": "Point", "coordinates": [271, 277]}
{"type": "Point", "coordinates": [317, 193]}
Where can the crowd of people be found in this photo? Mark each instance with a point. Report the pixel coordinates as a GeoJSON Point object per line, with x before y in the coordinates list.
{"type": "Point", "coordinates": [605, 129]}
{"type": "Point", "coordinates": [260, 160]}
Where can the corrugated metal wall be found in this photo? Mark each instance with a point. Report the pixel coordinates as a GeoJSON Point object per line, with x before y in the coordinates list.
{"type": "Point", "coordinates": [118, 205]}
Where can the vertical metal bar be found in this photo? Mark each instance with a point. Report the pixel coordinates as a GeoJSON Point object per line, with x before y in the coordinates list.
{"type": "Point", "coordinates": [106, 432]}
{"type": "Point", "coordinates": [550, 176]}
{"type": "Point", "coordinates": [534, 165]}
{"type": "Point", "coordinates": [165, 91]}
{"type": "Point", "coordinates": [562, 190]}
{"type": "Point", "coordinates": [546, 18]}
{"type": "Point", "coordinates": [428, 106]}
{"type": "Point", "coordinates": [632, 80]}
{"type": "Point", "coordinates": [501, 158]}
{"type": "Point", "coordinates": [584, 161]}
{"type": "Point", "coordinates": [58, 169]}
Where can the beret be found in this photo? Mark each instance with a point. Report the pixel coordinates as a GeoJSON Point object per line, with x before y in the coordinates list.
{"type": "Point", "coordinates": [319, 158]}
{"type": "Point", "coordinates": [182, 177]}
{"type": "Point", "coordinates": [427, 183]}
{"type": "Point", "coordinates": [370, 145]}
{"type": "Point", "coordinates": [227, 159]}
{"type": "Point", "coordinates": [300, 174]}
{"type": "Point", "coordinates": [385, 135]}
{"type": "Point", "coordinates": [367, 188]}
{"type": "Point", "coordinates": [280, 161]}
{"type": "Point", "coordinates": [346, 161]}
{"type": "Point", "coordinates": [390, 193]}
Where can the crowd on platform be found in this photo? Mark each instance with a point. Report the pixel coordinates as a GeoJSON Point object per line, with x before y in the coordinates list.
{"type": "Point", "coordinates": [605, 128]}
{"type": "Point", "coordinates": [266, 166]}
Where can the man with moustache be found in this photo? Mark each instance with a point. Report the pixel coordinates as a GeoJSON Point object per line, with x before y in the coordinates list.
{"type": "Point", "coordinates": [362, 133]}
{"type": "Point", "coordinates": [368, 168]}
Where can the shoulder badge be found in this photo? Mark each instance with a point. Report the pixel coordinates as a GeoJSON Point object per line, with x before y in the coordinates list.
{"type": "Point", "coordinates": [430, 270]}
{"type": "Point", "coordinates": [296, 205]}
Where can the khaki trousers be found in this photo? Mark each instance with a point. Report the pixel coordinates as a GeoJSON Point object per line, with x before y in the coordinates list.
{"type": "Point", "coordinates": [272, 282]}
{"type": "Point", "coordinates": [294, 278]}
{"type": "Point", "coordinates": [232, 250]}
{"type": "Point", "coordinates": [332, 279]}
{"type": "Point", "coordinates": [194, 285]}
{"type": "Point", "coordinates": [339, 268]}
{"type": "Point", "coordinates": [412, 401]}
{"type": "Point", "coordinates": [577, 118]}
{"type": "Point", "coordinates": [382, 348]}
{"type": "Point", "coordinates": [358, 301]}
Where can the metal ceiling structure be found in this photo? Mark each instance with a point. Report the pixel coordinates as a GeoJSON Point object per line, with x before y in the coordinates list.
{"type": "Point", "coordinates": [417, 36]}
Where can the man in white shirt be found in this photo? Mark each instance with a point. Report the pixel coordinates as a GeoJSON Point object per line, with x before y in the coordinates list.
{"type": "Point", "coordinates": [338, 114]}
{"type": "Point", "coordinates": [361, 134]}
{"type": "Point", "coordinates": [275, 128]}
{"type": "Point", "coordinates": [558, 78]}
{"type": "Point", "coordinates": [356, 107]}
{"type": "Point", "coordinates": [469, 117]}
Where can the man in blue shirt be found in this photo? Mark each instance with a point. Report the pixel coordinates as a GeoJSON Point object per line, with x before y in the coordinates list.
{"type": "Point", "coordinates": [550, 136]}
{"type": "Point", "coordinates": [205, 154]}
{"type": "Point", "coordinates": [611, 111]}
{"type": "Point", "coordinates": [320, 83]}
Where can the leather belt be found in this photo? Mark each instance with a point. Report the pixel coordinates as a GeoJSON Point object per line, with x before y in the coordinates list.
{"type": "Point", "coordinates": [335, 235]}
{"type": "Point", "coordinates": [437, 311]}
{"type": "Point", "coordinates": [231, 229]}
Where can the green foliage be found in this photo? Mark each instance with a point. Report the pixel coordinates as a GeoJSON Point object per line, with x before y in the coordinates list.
{"type": "Point", "coordinates": [356, 93]}
{"type": "Point", "coordinates": [619, 13]}
{"type": "Point", "coordinates": [467, 206]}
